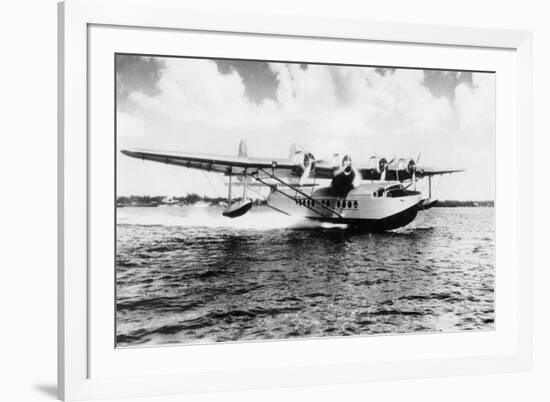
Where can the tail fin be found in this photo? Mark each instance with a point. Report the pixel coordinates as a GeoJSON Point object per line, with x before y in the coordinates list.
{"type": "Point", "coordinates": [243, 149]}
{"type": "Point", "coordinates": [294, 149]}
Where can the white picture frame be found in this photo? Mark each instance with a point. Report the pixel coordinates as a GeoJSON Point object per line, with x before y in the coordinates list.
{"type": "Point", "coordinates": [76, 348]}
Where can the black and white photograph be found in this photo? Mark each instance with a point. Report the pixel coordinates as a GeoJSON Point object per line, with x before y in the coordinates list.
{"type": "Point", "coordinates": [285, 201]}
{"type": "Point", "coordinates": [269, 200]}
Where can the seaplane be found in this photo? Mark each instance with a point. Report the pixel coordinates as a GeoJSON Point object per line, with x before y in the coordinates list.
{"type": "Point", "coordinates": [376, 196]}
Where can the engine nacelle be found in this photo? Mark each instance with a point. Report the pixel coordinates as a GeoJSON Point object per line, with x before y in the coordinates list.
{"type": "Point", "coordinates": [345, 178]}
{"type": "Point", "coordinates": [303, 161]}
{"type": "Point", "coordinates": [374, 168]}
{"type": "Point", "coordinates": [341, 161]}
{"type": "Point", "coordinates": [345, 181]}
{"type": "Point", "coordinates": [401, 169]}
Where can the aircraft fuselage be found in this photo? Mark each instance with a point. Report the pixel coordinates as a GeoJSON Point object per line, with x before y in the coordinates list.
{"type": "Point", "coordinates": [375, 206]}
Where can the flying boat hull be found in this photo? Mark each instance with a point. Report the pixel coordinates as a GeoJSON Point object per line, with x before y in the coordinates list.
{"type": "Point", "coordinates": [362, 207]}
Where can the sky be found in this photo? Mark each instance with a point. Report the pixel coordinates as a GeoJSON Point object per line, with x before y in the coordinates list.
{"type": "Point", "coordinates": [447, 118]}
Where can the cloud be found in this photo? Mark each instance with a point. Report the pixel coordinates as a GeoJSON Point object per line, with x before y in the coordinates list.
{"type": "Point", "coordinates": [137, 73]}
{"type": "Point", "coordinates": [357, 110]}
{"type": "Point", "coordinates": [443, 83]}
{"type": "Point", "coordinates": [259, 80]}
{"type": "Point", "coordinates": [475, 117]}
{"type": "Point", "coordinates": [474, 140]}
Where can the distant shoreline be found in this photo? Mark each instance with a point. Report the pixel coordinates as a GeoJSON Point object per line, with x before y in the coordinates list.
{"type": "Point", "coordinates": [470, 204]}
{"type": "Point", "coordinates": [192, 199]}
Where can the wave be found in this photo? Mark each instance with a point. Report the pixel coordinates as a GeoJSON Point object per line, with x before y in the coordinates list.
{"type": "Point", "coordinates": [212, 218]}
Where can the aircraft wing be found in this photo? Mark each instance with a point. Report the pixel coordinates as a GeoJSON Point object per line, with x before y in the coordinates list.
{"type": "Point", "coordinates": [368, 173]}
{"type": "Point", "coordinates": [213, 163]}
{"type": "Point", "coordinates": [426, 171]}
{"type": "Point", "coordinates": [324, 169]}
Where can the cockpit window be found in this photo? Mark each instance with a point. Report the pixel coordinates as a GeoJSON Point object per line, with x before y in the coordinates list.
{"type": "Point", "coordinates": [394, 187]}
{"type": "Point", "coordinates": [378, 193]}
{"type": "Point", "coordinates": [397, 192]}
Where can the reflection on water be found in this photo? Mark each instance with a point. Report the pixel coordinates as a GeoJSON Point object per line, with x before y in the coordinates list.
{"type": "Point", "coordinates": [190, 275]}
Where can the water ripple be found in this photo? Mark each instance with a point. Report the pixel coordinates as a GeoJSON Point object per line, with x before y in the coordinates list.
{"type": "Point", "coordinates": [183, 278]}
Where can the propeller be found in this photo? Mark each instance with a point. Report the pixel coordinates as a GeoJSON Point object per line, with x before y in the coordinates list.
{"type": "Point", "coordinates": [414, 170]}
{"type": "Point", "coordinates": [305, 175]}
{"type": "Point", "coordinates": [345, 166]}
{"type": "Point", "coordinates": [309, 164]}
{"type": "Point", "coordinates": [383, 175]}
{"type": "Point", "coordinates": [382, 166]}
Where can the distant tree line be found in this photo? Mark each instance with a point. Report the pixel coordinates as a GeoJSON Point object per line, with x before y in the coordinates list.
{"type": "Point", "coordinates": [192, 198]}
{"type": "Point", "coordinates": [141, 200]}
{"type": "Point", "coordinates": [189, 199]}
{"type": "Point", "coordinates": [454, 203]}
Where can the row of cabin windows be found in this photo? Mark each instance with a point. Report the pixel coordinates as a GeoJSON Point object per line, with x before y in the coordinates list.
{"type": "Point", "coordinates": [328, 203]}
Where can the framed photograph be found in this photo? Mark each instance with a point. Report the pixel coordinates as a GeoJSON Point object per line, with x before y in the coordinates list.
{"type": "Point", "coordinates": [254, 201]}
